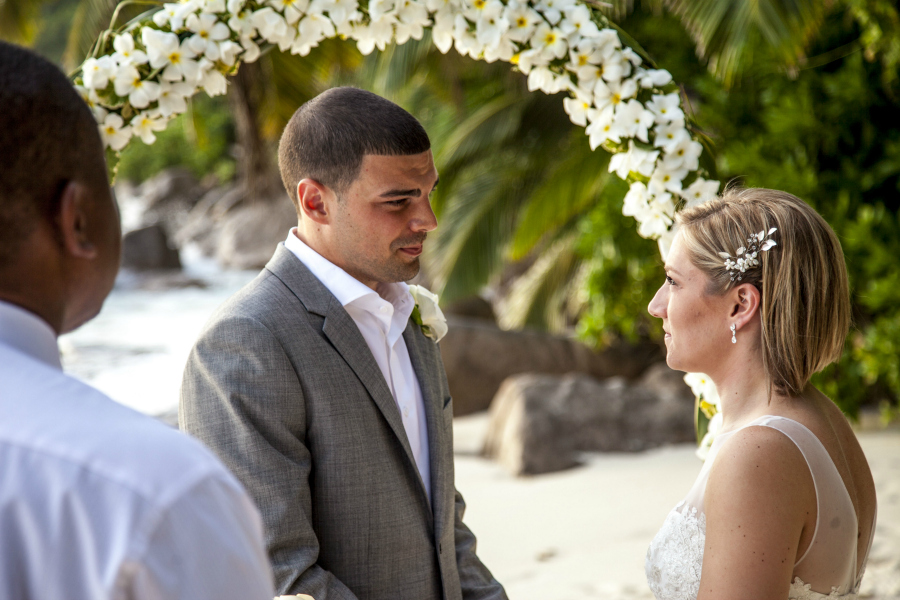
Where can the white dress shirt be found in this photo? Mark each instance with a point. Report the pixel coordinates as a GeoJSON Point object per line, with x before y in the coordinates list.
{"type": "Point", "coordinates": [100, 502]}
{"type": "Point", "coordinates": [381, 317]}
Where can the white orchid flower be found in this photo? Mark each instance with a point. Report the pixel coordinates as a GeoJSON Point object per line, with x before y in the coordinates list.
{"type": "Point", "coordinates": [442, 31]}
{"type": "Point", "coordinates": [164, 50]}
{"type": "Point", "coordinates": [114, 132]}
{"type": "Point", "coordinates": [125, 53]}
{"type": "Point", "coordinates": [312, 29]}
{"type": "Point", "coordinates": [578, 22]}
{"type": "Point", "coordinates": [211, 6]}
{"type": "Point", "coordinates": [653, 78]}
{"type": "Point", "coordinates": [553, 9]}
{"type": "Point", "coordinates": [666, 179]}
{"type": "Point", "coordinates": [700, 191]}
{"type": "Point", "coordinates": [291, 9]}
{"type": "Point", "coordinates": [634, 119]}
{"type": "Point", "coordinates": [504, 50]}
{"type": "Point", "coordinates": [464, 40]}
{"type": "Point", "coordinates": [523, 20]}
{"type": "Point", "coordinates": [271, 25]}
{"type": "Point", "coordinates": [666, 107]}
{"type": "Point", "coordinates": [241, 23]}
{"type": "Point", "coordinates": [145, 123]}
{"type": "Point", "coordinates": [542, 78]}
{"type": "Point", "coordinates": [173, 97]}
{"type": "Point", "coordinates": [613, 93]}
{"type": "Point", "coordinates": [235, 6]}
{"type": "Point", "coordinates": [341, 12]}
{"type": "Point", "coordinates": [208, 31]}
{"type": "Point", "coordinates": [96, 72]}
{"type": "Point", "coordinates": [376, 34]}
{"type": "Point", "coordinates": [668, 135]}
{"type": "Point", "coordinates": [173, 15]}
{"type": "Point", "coordinates": [251, 50]}
{"type": "Point", "coordinates": [577, 109]}
{"type": "Point", "coordinates": [491, 24]}
{"type": "Point", "coordinates": [684, 154]}
{"type": "Point", "coordinates": [658, 218]}
{"type": "Point", "coordinates": [211, 79]}
{"type": "Point", "coordinates": [602, 127]}
{"type": "Point", "coordinates": [140, 92]}
{"type": "Point", "coordinates": [637, 202]}
{"type": "Point", "coordinates": [635, 159]}
{"type": "Point", "coordinates": [550, 41]}
{"type": "Point", "coordinates": [380, 8]}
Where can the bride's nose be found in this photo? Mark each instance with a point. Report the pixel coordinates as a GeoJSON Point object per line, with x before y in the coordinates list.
{"type": "Point", "coordinates": [657, 307]}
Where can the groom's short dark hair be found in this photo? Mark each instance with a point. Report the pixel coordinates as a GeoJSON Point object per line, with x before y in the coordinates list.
{"type": "Point", "coordinates": [48, 137]}
{"type": "Point", "coordinates": [328, 137]}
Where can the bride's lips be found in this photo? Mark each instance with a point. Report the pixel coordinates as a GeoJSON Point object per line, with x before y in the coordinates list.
{"type": "Point", "coordinates": [412, 250]}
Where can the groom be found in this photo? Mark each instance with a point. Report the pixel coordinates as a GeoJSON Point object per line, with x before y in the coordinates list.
{"type": "Point", "coordinates": [318, 390]}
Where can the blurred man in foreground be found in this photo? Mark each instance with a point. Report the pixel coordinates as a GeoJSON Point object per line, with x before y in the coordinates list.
{"type": "Point", "coordinates": [96, 500]}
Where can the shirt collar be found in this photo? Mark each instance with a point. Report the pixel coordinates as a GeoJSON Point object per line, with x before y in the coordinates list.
{"type": "Point", "coordinates": [344, 286]}
{"type": "Point", "coordinates": [29, 334]}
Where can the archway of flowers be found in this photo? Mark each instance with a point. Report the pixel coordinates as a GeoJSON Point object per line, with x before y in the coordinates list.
{"type": "Point", "coordinates": [140, 75]}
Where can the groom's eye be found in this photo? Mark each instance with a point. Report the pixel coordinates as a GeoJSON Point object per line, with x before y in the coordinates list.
{"type": "Point", "coordinates": [397, 203]}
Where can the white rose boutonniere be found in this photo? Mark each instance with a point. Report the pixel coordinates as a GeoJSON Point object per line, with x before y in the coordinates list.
{"type": "Point", "coordinates": [427, 314]}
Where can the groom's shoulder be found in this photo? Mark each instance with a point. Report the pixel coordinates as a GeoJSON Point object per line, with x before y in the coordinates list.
{"type": "Point", "coordinates": [265, 302]}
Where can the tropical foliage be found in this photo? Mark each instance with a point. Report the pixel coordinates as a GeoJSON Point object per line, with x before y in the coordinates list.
{"type": "Point", "coordinates": [529, 214]}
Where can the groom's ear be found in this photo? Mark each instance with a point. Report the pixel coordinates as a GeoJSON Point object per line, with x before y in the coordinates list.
{"type": "Point", "coordinates": [311, 197]}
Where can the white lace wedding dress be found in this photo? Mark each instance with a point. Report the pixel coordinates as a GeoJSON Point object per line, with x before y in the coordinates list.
{"type": "Point", "coordinates": [826, 571]}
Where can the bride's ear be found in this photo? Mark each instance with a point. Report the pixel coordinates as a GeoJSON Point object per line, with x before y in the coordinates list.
{"type": "Point", "coordinates": [745, 303]}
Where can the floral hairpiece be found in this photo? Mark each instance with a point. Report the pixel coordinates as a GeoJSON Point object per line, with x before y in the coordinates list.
{"type": "Point", "coordinates": [745, 257]}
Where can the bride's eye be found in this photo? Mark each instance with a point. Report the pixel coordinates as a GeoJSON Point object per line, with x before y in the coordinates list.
{"type": "Point", "coordinates": [669, 280]}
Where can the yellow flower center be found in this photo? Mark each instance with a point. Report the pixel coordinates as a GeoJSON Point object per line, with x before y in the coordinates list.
{"type": "Point", "coordinates": [616, 98]}
{"type": "Point", "coordinates": [550, 38]}
{"type": "Point", "coordinates": [582, 60]}
{"type": "Point", "coordinates": [175, 58]}
{"type": "Point", "coordinates": [521, 22]}
{"type": "Point", "coordinates": [480, 4]}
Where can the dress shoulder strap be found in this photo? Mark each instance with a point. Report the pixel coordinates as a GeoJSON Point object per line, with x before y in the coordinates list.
{"type": "Point", "coordinates": [830, 560]}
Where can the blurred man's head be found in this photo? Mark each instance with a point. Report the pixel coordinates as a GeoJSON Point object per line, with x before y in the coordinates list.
{"type": "Point", "coordinates": [60, 239]}
{"type": "Point", "coordinates": [360, 172]}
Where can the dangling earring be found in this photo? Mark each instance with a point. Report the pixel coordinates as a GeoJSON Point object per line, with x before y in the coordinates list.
{"type": "Point", "coordinates": [733, 329]}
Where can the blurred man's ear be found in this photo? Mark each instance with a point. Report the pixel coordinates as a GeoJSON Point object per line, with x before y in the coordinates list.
{"type": "Point", "coordinates": [75, 221]}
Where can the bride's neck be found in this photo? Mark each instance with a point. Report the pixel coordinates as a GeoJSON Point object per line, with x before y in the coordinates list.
{"type": "Point", "coordinates": [743, 392]}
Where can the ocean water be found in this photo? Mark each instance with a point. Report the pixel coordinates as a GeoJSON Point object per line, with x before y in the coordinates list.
{"type": "Point", "coordinates": [136, 348]}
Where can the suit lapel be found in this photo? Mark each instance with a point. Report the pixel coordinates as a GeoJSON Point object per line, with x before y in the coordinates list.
{"type": "Point", "coordinates": [422, 354]}
{"type": "Point", "coordinates": [344, 335]}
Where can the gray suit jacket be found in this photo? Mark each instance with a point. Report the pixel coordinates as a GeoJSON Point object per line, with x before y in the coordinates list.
{"type": "Point", "coordinates": [282, 386]}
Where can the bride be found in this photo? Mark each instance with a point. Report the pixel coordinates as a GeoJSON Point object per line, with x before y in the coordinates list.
{"type": "Point", "coordinates": [756, 296]}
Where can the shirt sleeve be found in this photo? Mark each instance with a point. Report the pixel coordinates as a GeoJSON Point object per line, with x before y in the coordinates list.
{"type": "Point", "coordinates": [206, 545]}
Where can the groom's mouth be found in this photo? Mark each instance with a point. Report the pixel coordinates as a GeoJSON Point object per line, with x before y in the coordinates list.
{"type": "Point", "coordinates": [412, 250]}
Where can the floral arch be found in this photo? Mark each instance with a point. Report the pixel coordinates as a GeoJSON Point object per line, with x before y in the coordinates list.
{"type": "Point", "coordinates": [139, 76]}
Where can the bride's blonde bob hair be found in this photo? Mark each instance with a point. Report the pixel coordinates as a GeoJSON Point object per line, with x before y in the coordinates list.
{"type": "Point", "coordinates": [804, 293]}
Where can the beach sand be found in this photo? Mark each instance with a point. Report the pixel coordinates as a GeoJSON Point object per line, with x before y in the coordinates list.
{"type": "Point", "coordinates": [583, 533]}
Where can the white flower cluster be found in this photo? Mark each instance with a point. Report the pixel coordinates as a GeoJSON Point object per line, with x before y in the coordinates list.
{"type": "Point", "coordinates": [705, 391]}
{"type": "Point", "coordinates": [144, 78]}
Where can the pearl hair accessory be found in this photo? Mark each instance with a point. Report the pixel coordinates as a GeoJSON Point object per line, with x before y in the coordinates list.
{"type": "Point", "coordinates": [733, 331]}
{"type": "Point", "coordinates": [745, 257]}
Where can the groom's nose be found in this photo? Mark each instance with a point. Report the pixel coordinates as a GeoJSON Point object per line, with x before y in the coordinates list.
{"type": "Point", "coordinates": [423, 219]}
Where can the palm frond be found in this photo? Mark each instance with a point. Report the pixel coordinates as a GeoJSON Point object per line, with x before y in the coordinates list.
{"type": "Point", "coordinates": [564, 194]}
{"type": "Point", "coordinates": [539, 297]}
{"type": "Point", "coordinates": [724, 30]}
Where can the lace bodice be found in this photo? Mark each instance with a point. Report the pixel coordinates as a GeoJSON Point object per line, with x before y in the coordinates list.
{"type": "Point", "coordinates": [675, 557]}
